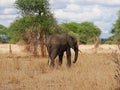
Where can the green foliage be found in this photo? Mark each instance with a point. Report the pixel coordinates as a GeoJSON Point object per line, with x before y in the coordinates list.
{"type": "Point", "coordinates": [18, 27]}
{"type": "Point", "coordinates": [85, 31]}
{"type": "Point", "coordinates": [40, 7]}
{"type": "Point", "coordinates": [2, 29]}
{"type": "Point", "coordinates": [116, 28]}
{"type": "Point", "coordinates": [88, 31]}
{"type": "Point", "coordinates": [3, 33]}
{"type": "Point", "coordinates": [35, 16]}
{"type": "Point", "coordinates": [72, 26]}
{"type": "Point", "coordinates": [109, 42]}
{"type": "Point", "coordinates": [12, 41]}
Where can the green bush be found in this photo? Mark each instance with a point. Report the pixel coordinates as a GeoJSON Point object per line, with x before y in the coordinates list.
{"type": "Point", "coordinates": [12, 41]}
{"type": "Point", "coordinates": [109, 42]}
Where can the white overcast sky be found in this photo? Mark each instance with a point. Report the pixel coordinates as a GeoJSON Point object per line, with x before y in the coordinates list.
{"type": "Point", "coordinates": [102, 12]}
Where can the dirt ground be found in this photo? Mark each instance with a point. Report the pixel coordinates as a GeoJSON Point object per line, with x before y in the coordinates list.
{"type": "Point", "coordinates": [94, 70]}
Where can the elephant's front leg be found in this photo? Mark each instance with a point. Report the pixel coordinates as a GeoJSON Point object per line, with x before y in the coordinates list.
{"type": "Point", "coordinates": [60, 57]}
{"type": "Point", "coordinates": [68, 53]}
{"type": "Point", "coordinates": [53, 55]}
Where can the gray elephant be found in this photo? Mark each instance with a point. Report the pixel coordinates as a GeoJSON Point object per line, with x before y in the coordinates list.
{"type": "Point", "coordinates": [57, 44]}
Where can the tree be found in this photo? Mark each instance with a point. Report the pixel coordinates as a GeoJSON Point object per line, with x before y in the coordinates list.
{"type": "Point", "coordinates": [86, 32]}
{"type": "Point", "coordinates": [116, 28]}
{"type": "Point", "coordinates": [40, 9]}
{"type": "Point", "coordinates": [3, 29]}
{"type": "Point", "coordinates": [116, 31]}
{"type": "Point", "coordinates": [18, 28]}
{"type": "Point", "coordinates": [35, 17]}
{"type": "Point", "coordinates": [3, 34]}
{"type": "Point", "coordinates": [70, 28]}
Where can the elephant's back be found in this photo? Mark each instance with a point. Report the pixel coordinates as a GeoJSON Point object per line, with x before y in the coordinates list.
{"type": "Point", "coordinates": [55, 39]}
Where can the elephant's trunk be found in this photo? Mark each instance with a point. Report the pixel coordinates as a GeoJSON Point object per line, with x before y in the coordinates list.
{"type": "Point", "coordinates": [76, 55]}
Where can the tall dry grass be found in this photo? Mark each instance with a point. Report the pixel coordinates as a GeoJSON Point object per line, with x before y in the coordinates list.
{"type": "Point", "coordinates": [116, 60]}
{"type": "Point", "coordinates": [92, 71]}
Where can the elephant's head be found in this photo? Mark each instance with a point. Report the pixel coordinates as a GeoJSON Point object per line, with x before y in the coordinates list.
{"type": "Point", "coordinates": [72, 41]}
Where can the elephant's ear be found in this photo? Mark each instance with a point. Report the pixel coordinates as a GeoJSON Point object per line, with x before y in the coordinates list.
{"type": "Point", "coordinates": [71, 41]}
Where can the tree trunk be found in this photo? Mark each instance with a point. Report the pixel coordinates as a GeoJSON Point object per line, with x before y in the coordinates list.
{"type": "Point", "coordinates": [35, 45]}
{"type": "Point", "coordinates": [42, 41]}
{"type": "Point", "coordinates": [10, 49]}
{"type": "Point", "coordinates": [43, 49]}
{"type": "Point", "coordinates": [97, 42]}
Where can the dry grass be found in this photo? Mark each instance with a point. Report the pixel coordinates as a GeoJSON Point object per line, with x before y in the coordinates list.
{"type": "Point", "coordinates": [93, 71]}
{"type": "Point", "coordinates": [116, 60]}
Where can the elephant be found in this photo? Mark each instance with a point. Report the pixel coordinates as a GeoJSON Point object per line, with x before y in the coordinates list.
{"type": "Point", "coordinates": [57, 44]}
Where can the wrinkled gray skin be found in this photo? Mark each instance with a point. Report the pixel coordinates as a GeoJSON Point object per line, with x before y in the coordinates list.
{"type": "Point", "coordinates": [57, 44]}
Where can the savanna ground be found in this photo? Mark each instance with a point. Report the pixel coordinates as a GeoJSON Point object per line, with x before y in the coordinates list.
{"type": "Point", "coordinates": [94, 70]}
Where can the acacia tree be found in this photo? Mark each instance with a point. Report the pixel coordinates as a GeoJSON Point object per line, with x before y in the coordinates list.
{"type": "Point", "coordinates": [116, 31]}
{"type": "Point", "coordinates": [40, 20]}
{"type": "Point", "coordinates": [2, 29]}
{"type": "Point", "coordinates": [86, 32]}
{"type": "Point", "coordinates": [116, 28]}
{"type": "Point", "coordinates": [3, 33]}
{"type": "Point", "coordinates": [18, 28]}
{"type": "Point", "coordinates": [71, 28]}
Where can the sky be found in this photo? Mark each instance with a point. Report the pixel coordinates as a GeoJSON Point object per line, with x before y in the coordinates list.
{"type": "Point", "coordinates": [103, 13]}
